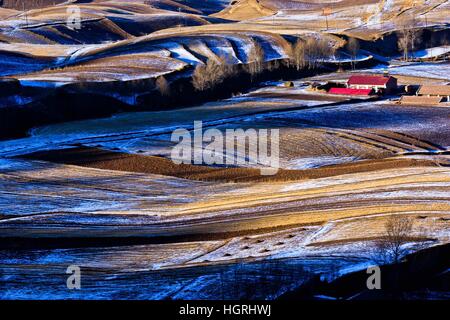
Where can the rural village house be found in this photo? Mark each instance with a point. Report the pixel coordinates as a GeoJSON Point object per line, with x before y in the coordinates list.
{"type": "Point", "coordinates": [379, 84]}
{"type": "Point", "coordinates": [365, 85]}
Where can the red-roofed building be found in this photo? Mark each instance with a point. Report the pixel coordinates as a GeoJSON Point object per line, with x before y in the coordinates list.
{"type": "Point", "coordinates": [379, 84]}
{"type": "Point", "coordinates": [351, 92]}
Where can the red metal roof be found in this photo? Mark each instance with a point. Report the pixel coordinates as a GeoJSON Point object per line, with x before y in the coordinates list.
{"type": "Point", "coordinates": [349, 91]}
{"type": "Point", "coordinates": [368, 80]}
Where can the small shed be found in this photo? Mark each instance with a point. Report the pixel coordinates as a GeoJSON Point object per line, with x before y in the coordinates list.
{"type": "Point", "coordinates": [420, 100]}
{"type": "Point", "coordinates": [441, 91]}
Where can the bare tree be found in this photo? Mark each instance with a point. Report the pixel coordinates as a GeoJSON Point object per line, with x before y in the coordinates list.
{"type": "Point", "coordinates": [390, 248]}
{"type": "Point", "coordinates": [353, 47]}
{"type": "Point", "coordinates": [408, 36]}
{"type": "Point", "coordinates": [403, 45]}
{"type": "Point", "coordinates": [299, 54]}
{"type": "Point", "coordinates": [289, 50]}
{"type": "Point", "coordinates": [200, 78]}
{"type": "Point", "coordinates": [318, 51]}
{"type": "Point", "coordinates": [207, 76]}
{"type": "Point", "coordinates": [445, 42]}
{"type": "Point", "coordinates": [273, 65]}
{"type": "Point", "coordinates": [163, 86]}
{"type": "Point", "coordinates": [326, 50]}
{"type": "Point", "coordinates": [225, 66]}
{"type": "Point", "coordinates": [256, 60]}
{"type": "Point", "coordinates": [416, 38]}
{"type": "Point", "coordinates": [404, 35]}
{"type": "Point", "coordinates": [310, 53]}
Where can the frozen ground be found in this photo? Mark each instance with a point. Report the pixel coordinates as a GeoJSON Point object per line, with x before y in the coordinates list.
{"type": "Point", "coordinates": [316, 129]}
{"type": "Point", "coordinates": [432, 52]}
{"type": "Point", "coordinates": [328, 227]}
{"type": "Point", "coordinates": [209, 235]}
{"type": "Point", "coordinates": [147, 236]}
{"type": "Point", "coordinates": [425, 70]}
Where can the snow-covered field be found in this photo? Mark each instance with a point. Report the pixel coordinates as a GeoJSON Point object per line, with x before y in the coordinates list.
{"type": "Point", "coordinates": [347, 165]}
{"type": "Point", "coordinates": [432, 52]}
{"type": "Point", "coordinates": [425, 70]}
{"type": "Point", "coordinates": [304, 227]}
{"type": "Point", "coordinates": [326, 228]}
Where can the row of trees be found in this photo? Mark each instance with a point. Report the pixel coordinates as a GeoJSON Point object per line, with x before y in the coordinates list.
{"type": "Point", "coordinates": [215, 71]}
{"type": "Point", "coordinates": [304, 54]}
{"type": "Point", "coordinates": [311, 53]}
{"type": "Point", "coordinates": [307, 54]}
{"type": "Point", "coordinates": [408, 37]}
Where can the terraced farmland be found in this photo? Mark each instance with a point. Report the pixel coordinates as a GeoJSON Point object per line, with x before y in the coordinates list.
{"type": "Point", "coordinates": [87, 176]}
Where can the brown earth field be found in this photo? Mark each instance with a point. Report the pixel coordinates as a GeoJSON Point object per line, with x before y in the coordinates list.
{"type": "Point", "coordinates": [119, 161]}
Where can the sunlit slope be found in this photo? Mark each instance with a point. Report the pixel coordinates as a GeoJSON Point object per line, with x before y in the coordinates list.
{"type": "Point", "coordinates": [170, 53]}
{"type": "Point", "coordinates": [184, 33]}
{"type": "Point", "coordinates": [366, 19]}
{"type": "Point", "coordinates": [100, 22]}
{"type": "Point", "coordinates": [98, 203]}
{"type": "Point", "coordinates": [246, 9]}
{"type": "Point", "coordinates": [42, 40]}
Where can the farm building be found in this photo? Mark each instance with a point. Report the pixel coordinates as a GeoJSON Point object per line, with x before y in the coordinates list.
{"type": "Point", "coordinates": [351, 92]}
{"type": "Point", "coordinates": [379, 84]}
{"type": "Point", "coordinates": [420, 100]}
{"type": "Point", "coordinates": [440, 91]}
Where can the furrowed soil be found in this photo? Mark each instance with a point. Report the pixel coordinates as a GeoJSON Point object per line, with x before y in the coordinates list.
{"type": "Point", "coordinates": [110, 160]}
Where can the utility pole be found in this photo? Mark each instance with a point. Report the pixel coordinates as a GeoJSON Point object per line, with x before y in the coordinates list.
{"type": "Point", "coordinates": [431, 39]}
{"type": "Point", "coordinates": [25, 13]}
{"type": "Point", "coordinates": [326, 12]}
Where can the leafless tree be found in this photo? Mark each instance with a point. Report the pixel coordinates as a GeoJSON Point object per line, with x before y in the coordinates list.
{"type": "Point", "coordinates": [403, 35]}
{"type": "Point", "coordinates": [445, 42]}
{"type": "Point", "coordinates": [327, 50]}
{"type": "Point", "coordinates": [215, 71]}
{"type": "Point", "coordinates": [408, 36]}
{"type": "Point", "coordinates": [317, 51]}
{"type": "Point", "coordinates": [200, 78]}
{"type": "Point", "coordinates": [390, 248]}
{"type": "Point", "coordinates": [416, 38]}
{"type": "Point", "coordinates": [225, 66]}
{"type": "Point", "coordinates": [163, 86]}
{"type": "Point", "coordinates": [256, 60]}
{"type": "Point", "coordinates": [403, 45]}
{"type": "Point", "coordinates": [311, 53]}
{"type": "Point", "coordinates": [273, 65]}
{"type": "Point", "coordinates": [353, 47]}
{"type": "Point", "coordinates": [299, 54]}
